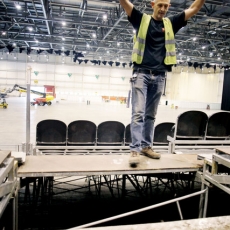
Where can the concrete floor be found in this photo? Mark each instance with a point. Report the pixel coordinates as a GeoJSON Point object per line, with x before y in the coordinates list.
{"type": "Point", "coordinates": [14, 118]}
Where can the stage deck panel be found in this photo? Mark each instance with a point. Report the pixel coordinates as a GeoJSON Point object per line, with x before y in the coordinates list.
{"type": "Point", "coordinates": [57, 165]}
{"type": "Point", "coordinates": [4, 155]}
{"type": "Point", "coordinates": [225, 150]}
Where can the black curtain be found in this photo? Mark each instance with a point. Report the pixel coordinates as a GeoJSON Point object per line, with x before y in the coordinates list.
{"type": "Point", "coordinates": [225, 104]}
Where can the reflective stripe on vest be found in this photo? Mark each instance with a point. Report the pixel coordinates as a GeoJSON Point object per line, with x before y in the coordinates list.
{"type": "Point", "coordinates": [139, 41]}
{"type": "Point", "coordinates": [170, 57]}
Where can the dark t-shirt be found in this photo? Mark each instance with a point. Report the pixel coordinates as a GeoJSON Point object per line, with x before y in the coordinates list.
{"type": "Point", "coordinates": [155, 51]}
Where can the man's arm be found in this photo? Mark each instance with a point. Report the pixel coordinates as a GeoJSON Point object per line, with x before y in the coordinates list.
{"type": "Point", "coordinates": [128, 6]}
{"type": "Point", "coordinates": [193, 9]}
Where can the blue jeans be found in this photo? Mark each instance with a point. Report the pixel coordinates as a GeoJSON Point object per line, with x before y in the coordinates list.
{"type": "Point", "coordinates": [146, 93]}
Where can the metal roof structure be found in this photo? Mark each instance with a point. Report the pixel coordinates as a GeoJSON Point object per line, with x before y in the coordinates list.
{"type": "Point", "coordinates": [98, 30]}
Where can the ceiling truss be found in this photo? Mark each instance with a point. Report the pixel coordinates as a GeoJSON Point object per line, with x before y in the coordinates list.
{"type": "Point", "coordinates": [99, 29]}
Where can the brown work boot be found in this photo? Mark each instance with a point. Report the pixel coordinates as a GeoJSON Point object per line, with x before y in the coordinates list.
{"type": "Point", "coordinates": [134, 159]}
{"type": "Point", "coordinates": [148, 151]}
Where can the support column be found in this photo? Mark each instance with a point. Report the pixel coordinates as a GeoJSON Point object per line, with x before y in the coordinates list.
{"type": "Point", "coordinates": [28, 82]}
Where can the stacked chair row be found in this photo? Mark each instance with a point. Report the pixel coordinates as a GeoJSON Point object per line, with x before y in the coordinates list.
{"type": "Point", "coordinates": [196, 128]}
{"type": "Point", "coordinates": [82, 133]}
{"type": "Point", "coordinates": [192, 128]}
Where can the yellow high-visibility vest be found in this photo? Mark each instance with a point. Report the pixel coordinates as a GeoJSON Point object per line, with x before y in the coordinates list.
{"type": "Point", "coordinates": [139, 41]}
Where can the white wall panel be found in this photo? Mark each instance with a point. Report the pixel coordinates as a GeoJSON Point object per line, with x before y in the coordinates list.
{"type": "Point", "coordinates": [3, 65]}
{"type": "Point", "coordinates": [93, 71]}
{"type": "Point", "coordinates": [92, 79]}
{"type": "Point", "coordinates": [181, 87]}
{"type": "Point", "coordinates": [121, 72]}
{"type": "Point", "coordinates": [50, 76]}
{"type": "Point", "coordinates": [194, 87]}
{"type": "Point", "coordinates": [21, 76]}
{"type": "Point", "coordinates": [117, 80]}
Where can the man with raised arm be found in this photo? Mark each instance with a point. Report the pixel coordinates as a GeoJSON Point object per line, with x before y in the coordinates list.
{"type": "Point", "coordinates": [153, 55]}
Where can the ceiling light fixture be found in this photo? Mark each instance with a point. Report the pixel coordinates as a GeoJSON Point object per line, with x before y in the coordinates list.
{"type": "Point", "coordinates": [18, 7]}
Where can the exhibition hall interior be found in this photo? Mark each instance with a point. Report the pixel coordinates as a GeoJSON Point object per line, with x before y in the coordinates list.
{"type": "Point", "coordinates": [65, 112]}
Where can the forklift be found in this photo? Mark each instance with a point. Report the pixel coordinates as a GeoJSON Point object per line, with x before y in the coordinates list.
{"type": "Point", "coordinates": [3, 103]}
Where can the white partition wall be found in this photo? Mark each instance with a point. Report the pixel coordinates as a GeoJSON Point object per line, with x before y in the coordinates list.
{"type": "Point", "coordinates": [194, 90]}
{"type": "Point", "coordinates": [81, 82]}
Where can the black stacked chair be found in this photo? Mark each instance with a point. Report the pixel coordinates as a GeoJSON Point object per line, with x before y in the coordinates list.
{"type": "Point", "coordinates": [51, 132]}
{"type": "Point", "coordinates": [128, 139]}
{"type": "Point", "coordinates": [218, 127]}
{"type": "Point", "coordinates": [81, 132]}
{"type": "Point", "coordinates": [161, 131]}
{"type": "Point", "coordinates": [110, 133]}
{"type": "Point", "coordinates": [191, 125]}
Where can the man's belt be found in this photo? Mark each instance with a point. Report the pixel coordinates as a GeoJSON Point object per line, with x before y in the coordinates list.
{"type": "Point", "coordinates": [148, 71]}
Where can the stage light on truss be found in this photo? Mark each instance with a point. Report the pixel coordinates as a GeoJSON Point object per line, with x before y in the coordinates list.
{"type": "Point", "coordinates": [195, 65]}
{"type": "Point", "coordinates": [80, 61]}
{"type": "Point", "coordinates": [208, 65]}
{"type": "Point", "coordinates": [21, 49]}
{"type": "Point", "coordinates": [39, 51]}
{"type": "Point", "coordinates": [110, 63]}
{"type": "Point", "coordinates": [130, 64]}
{"type": "Point", "coordinates": [117, 63]}
{"type": "Point", "coordinates": [50, 51]}
{"type": "Point", "coordinates": [67, 53]}
{"type": "Point", "coordinates": [124, 64]}
{"type": "Point", "coordinates": [10, 48]}
{"type": "Point", "coordinates": [104, 62]}
{"type": "Point", "coordinates": [86, 61]}
{"type": "Point", "coordinates": [94, 62]}
{"type": "Point", "coordinates": [57, 52]}
{"type": "Point", "coordinates": [28, 50]}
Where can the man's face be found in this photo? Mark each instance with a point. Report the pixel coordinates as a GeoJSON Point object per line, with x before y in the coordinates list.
{"type": "Point", "coordinates": [160, 8]}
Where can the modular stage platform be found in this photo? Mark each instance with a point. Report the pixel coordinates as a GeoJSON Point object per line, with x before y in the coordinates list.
{"type": "Point", "coordinates": [86, 165]}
